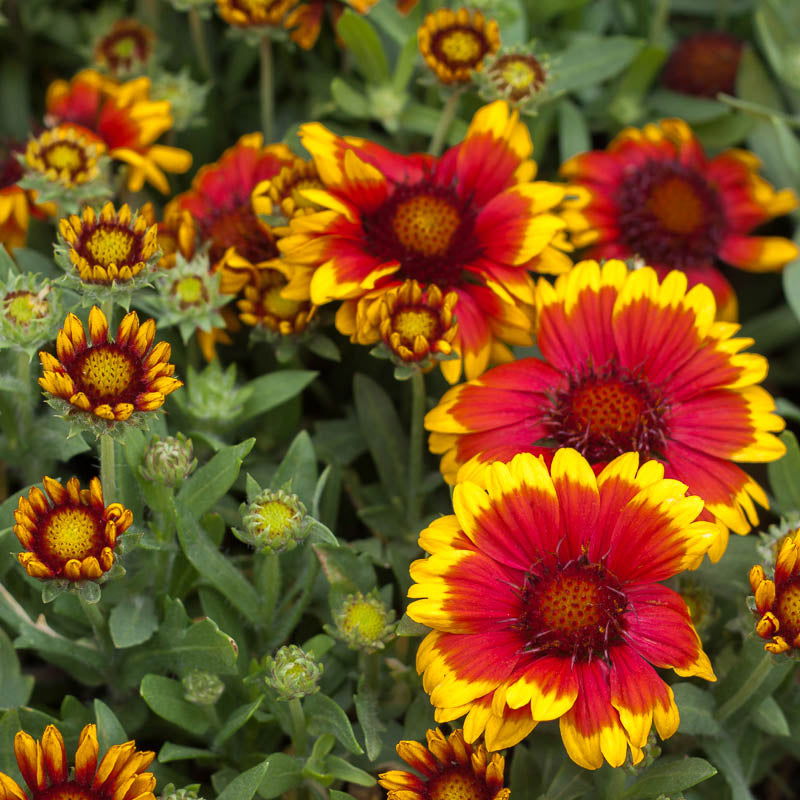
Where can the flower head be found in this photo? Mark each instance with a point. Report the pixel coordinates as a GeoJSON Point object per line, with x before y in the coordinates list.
{"type": "Point", "coordinates": [655, 195]}
{"type": "Point", "coordinates": [30, 310]}
{"type": "Point", "coordinates": [15, 206]}
{"type": "Point", "coordinates": [449, 767]}
{"type": "Point", "coordinates": [69, 533]}
{"type": "Point", "coordinates": [275, 521]}
{"type": "Point", "coordinates": [777, 601]}
{"type": "Point", "coordinates": [107, 380]}
{"type": "Point", "coordinates": [293, 672]}
{"type": "Point", "coordinates": [125, 49]}
{"type": "Point", "coordinates": [455, 44]}
{"type": "Point", "coordinates": [364, 622]}
{"type": "Point", "coordinates": [263, 306]}
{"type": "Point", "coordinates": [43, 764]}
{"type": "Point", "coordinates": [169, 461]}
{"type": "Point", "coordinates": [545, 598]}
{"type": "Point", "coordinates": [628, 363]}
{"type": "Point", "coordinates": [202, 688]}
{"type": "Point", "coordinates": [125, 119]}
{"type": "Point", "coordinates": [472, 222]}
{"type": "Point", "coordinates": [254, 13]}
{"type": "Point", "coordinates": [704, 64]}
{"type": "Point", "coordinates": [517, 75]}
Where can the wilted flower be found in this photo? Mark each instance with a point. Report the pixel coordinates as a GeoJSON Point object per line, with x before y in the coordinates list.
{"type": "Point", "coordinates": [293, 673]}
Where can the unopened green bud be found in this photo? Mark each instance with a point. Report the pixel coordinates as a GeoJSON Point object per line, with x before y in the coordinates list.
{"type": "Point", "coordinates": [202, 6]}
{"type": "Point", "coordinates": [169, 461]}
{"type": "Point", "coordinates": [364, 622]}
{"type": "Point", "coordinates": [30, 313]}
{"type": "Point", "coordinates": [202, 688]}
{"type": "Point", "coordinates": [185, 96]}
{"type": "Point", "coordinates": [293, 673]}
{"type": "Point", "coordinates": [275, 521]}
{"type": "Point", "coordinates": [187, 793]}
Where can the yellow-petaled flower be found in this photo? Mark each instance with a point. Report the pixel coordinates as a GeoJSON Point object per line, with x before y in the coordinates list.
{"type": "Point", "coordinates": [518, 76]}
{"type": "Point", "coordinates": [126, 48]}
{"type": "Point", "coordinates": [73, 534]}
{"type": "Point", "coordinates": [449, 767]}
{"type": "Point", "coordinates": [108, 379]}
{"type": "Point", "coordinates": [284, 195]}
{"type": "Point", "coordinates": [177, 234]}
{"type": "Point", "coordinates": [119, 774]}
{"type": "Point", "coordinates": [264, 305]}
{"type": "Point", "coordinates": [65, 155]}
{"type": "Point", "coordinates": [254, 13]}
{"type": "Point", "coordinates": [114, 246]}
{"type": "Point", "coordinates": [456, 43]}
{"type": "Point", "coordinates": [777, 601]}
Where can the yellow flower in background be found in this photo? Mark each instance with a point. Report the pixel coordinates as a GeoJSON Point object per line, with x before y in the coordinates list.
{"type": "Point", "coordinates": [254, 13]}
{"type": "Point", "coordinates": [65, 155]}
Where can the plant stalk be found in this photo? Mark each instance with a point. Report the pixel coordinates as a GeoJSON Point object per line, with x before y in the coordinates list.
{"type": "Point", "coordinates": [198, 33]}
{"type": "Point", "coordinates": [445, 121]}
{"type": "Point", "coordinates": [108, 468]}
{"type": "Point", "coordinates": [24, 404]}
{"type": "Point", "coordinates": [299, 733]}
{"type": "Point", "coordinates": [96, 619]}
{"type": "Point", "coordinates": [415, 445]}
{"type": "Point", "coordinates": [743, 694]}
{"type": "Point", "coordinates": [267, 89]}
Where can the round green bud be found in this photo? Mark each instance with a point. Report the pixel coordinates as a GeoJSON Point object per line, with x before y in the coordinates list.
{"type": "Point", "coordinates": [168, 461]}
{"type": "Point", "coordinates": [202, 688]}
{"type": "Point", "coordinates": [187, 793]}
{"type": "Point", "coordinates": [275, 521]}
{"type": "Point", "coordinates": [293, 673]}
{"type": "Point", "coordinates": [364, 622]}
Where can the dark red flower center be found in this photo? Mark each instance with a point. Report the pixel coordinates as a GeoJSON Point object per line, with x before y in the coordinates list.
{"type": "Point", "coordinates": [68, 532]}
{"type": "Point", "coordinates": [240, 228]}
{"type": "Point", "coordinates": [107, 243]}
{"type": "Point", "coordinates": [607, 413]}
{"type": "Point", "coordinates": [518, 75]}
{"type": "Point", "coordinates": [65, 156]}
{"type": "Point", "coordinates": [124, 48]}
{"type": "Point", "coordinates": [457, 783]}
{"type": "Point", "coordinates": [787, 609]}
{"type": "Point", "coordinates": [459, 46]}
{"type": "Point", "coordinates": [427, 230]}
{"type": "Point", "coordinates": [573, 609]}
{"type": "Point", "coordinates": [106, 373]}
{"type": "Point", "coordinates": [704, 64]}
{"type": "Point", "coordinates": [669, 215]}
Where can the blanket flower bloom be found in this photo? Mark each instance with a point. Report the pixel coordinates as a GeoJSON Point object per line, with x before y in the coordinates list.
{"type": "Point", "coordinates": [108, 379]}
{"type": "Point", "coordinates": [777, 601]}
{"type": "Point", "coordinates": [73, 535]}
{"type": "Point", "coordinates": [254, 13]}
{"type": "Point", "coordinates": [119, 774]}
{"type": "Point", "coordinates": [449, 768]}
{"type": "Point", "coordinates": [15, 205]}
{"type": "Point", "coordinates": [655, 195]}
{"type": "Point", "coordinates": [544, 594]}
{"type": "Point", "coordinates": [472, 221]}
{"type": "Point", "coordinates": [628, 364]}
{"type": "Point", "coordinates": [65, 155]}
{"type": "Point", "coordinates": [126, 48]}
{"type": "Point", "coordinates": [125, 119]}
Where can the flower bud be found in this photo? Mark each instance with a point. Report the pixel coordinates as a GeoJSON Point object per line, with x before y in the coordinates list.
{"type": "Point", "coordinates": [187, 793]}
{"type": "Point", "coordinates": [275, 521]}
{"type": "Point", "coordinates": [169, 461]}
{"type": "Point", "coordinates": [30, 313]}
{"type": "Point", "coordinates": [202, 688]}
{"type": "Point", "coordinates": [293, 673]}
{"type": "Point", "coordinates": [364, 622]}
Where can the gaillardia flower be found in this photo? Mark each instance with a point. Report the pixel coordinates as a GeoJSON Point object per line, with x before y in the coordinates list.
{"type": "Point", "coordinates": [704, 64]}
{"type": "Point", "coordinates": [254, 13]}
{"type": "Point", "coordinates": [449, 767]}
{"type": "Point", "coordinates": [125, 119]}
{"type": "Point", "coordinates": [454, 44]}
{"type": "Point", "coordinates": [544, 594]}
{"type": "Point", "coordinates": [126, 48]}
{"type": "Point", "coordinates": [655, 195]}
{"type": "Point", "coordinates": [15, 208]}
{"type": "Point", "coordinates": [72, 535]}
{"type": "Point", "coordinates": [65, 155]}
{"type": "Point", "coordinates": [517, 76]}
{"type": "Point", "coordinates": [777, 601]}
{"type": "Point", "coordinates": [472, 221]}
{"type": "Point", "coordinates": [119, 775]}
{"type": "Point", "coordinates": [628, 364]}
{"type": "Point", "coordinates": [108, 379]}
{"type": "Point", "coordinates": [263, 305]}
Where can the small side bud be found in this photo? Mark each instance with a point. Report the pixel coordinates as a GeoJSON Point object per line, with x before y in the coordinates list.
{"type": "Point", "coordinates": [364, 622]}
{"type": "Point", "coordinates": [202, 688]}
{"type": "Point", "coordinates": [275, 521]}
{"type": "Point", "coordinates": [293, 673]}
{"type": "Point", "coordinates": [169, 461]}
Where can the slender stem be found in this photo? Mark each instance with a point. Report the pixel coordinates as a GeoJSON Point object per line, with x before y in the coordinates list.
{"type": "Point", "coordinates": [742, 695]}
{"type": "Point", "coordinates": [198, 32]}
{"type": "Point", "coordinates": [445, 121]}
{"type": "Point", "coordinates": [108, 468]}
{"type": "Point", "coordinates": [370, 667]}
{"type": "Point", "coordinates": [299, 736]}
{"type": "Point", "coordinates": [267, 89]}
{"type": "Point", "coordinates": [148, 9]}
{"type": "Point", "coordinates": [24, 399]}
{"type": "Point", "coordinates": [96, 619]}
{"type": "Point", "coordinates": [415, 445]}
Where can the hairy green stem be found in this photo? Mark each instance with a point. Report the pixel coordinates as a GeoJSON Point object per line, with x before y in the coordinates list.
{"type": "Point", "coordinates": [299, 733]}
{"type": "Point", "coordinates": [746, 690]}
{"type": "Point", "coordinates": [198, 33]}
{"type": "Point", "coordinates": [96, 619]}
{"type": "Point", "coordinates": [445, 121]}
{"type": "Point", "coordinates": [108, 468]}
{"type": "Point", "coordinates": [370, 667]}
{"type": "Point", "coordinates": [24, 397]}
{"type": "Point", "coordinates": [415, 446]}
{"type": "Point", "coordinates": [267, 89]}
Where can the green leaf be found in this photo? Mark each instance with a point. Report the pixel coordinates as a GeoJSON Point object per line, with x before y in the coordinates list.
{"type": "Point", "coordinates": [365, 46]}
{"type": "Point", "coordinates": [693, 109]}
{"type": "Point", "coordinates": [246, 785]}
{"type": "Point", "coordinates": [165, 698]}
{"type": "Point", "coordinates": [696, 708]}
{"type": "Point", "coordinates": [769, 717]}
{"type": "Point", "coordinates": [15, 688]}
{"type": "Point", "coordinates": [326, 716]}
{"type": "Point", "coordinates": [350, 100]}
{"type": "Point", "coordinates": [669, 777]}
{"type": "Point", "coordinates": [8, 267]}
{"type": "Point", "coordinates": [109, 728]}
{"type": "Point", "coordinates": [270, 391]}
{"type": "Point", "coordinates": [406, 61]}
{"type": "Point", "coordinates": [573, 133]}
{"type": "Point", "coordinates": [179, 752]}
{"type": "Point", "coordinates": [133, 621]}
{"type": "Point", "coordinates": [299, 467]}
{"type": "Point", "coordinates": [335, 794]}
{"type": "Point", "coordinates": [408, 627]}
{"type": "Point", "coordinates": [212, 481]}
{"type": "Point", "coordinates": [283, 774]}
{"type": "Point", "coordinates": [345, 771]}
{"type": "Point", "coordinates": [215, 567]}
{"type": "Point", "coordinates": [366, 703]}
{"type": "Point", "coordinates": [753, 82]}
{"type": "Point", "coordinates": [791, 286]}
{"type": "Point", "coordinates": [590, 60]}
{"type": "Point", "coordinates": [236, 720]}
{"type": "Point", "coordinates": [784, 475]}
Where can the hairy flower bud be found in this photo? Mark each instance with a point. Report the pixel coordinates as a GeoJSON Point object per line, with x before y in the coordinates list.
{"type": "Point", "coordinates": [202, 688]}
{"type": "Point", "coordinates": [275, 521]}
{"type": "Point", "coordinates": [169, 461]}
{"type": "Point", "coordinates": [293, 673]}
{"type": "Point", "coordinates": [364, 622]}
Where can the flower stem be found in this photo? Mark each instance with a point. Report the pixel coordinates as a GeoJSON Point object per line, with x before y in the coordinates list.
{"type": "Point", "coordinates": [299, 736]}
{"type": "Point", "coordinates": [445, 121]}
{"type": "Point", "coordinates": [108, 468]}
{"type": "Point", "coordinates": [415, 445]}
{"type": "Point", "coordinates": [370, 667]}
{"type": "Point", "coordinates": [24, 404]}
{"type": "Point", "coordinates": [198, 32]}
{"type": "Point", "coordinates": [96, 619]}
{"type": "Point", "coordinates": [745, 691]}
{"type": "Point", "coordinates": [267, 89]}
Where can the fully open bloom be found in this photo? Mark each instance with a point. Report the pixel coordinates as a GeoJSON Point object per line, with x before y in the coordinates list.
{"type": "Point", "coordinates": [15, 208]}
{"type": "Point", "coordinates": [450, 768]}
{"type": "Point", "coordinates": [254, 13]}
{"type": "Point", "coordinates": [654, 194]}
{"type": "Point", "coordinates": [628, 363]}
{"type": "Point", "coordinates": [704, 64]}
{"type": "Point", "coordinates": [125, 119]}
{"type": "Point", "coordinates": [472, 221]}
{"type": "Point", "coordinates": [119, 775]}
{"type": "Point", "coordinates": [73, 534]}
{"type": "Point", "coordinates": [543, 592]}
{"type": "Point", "coordinates": [778, 600]}
{"type": "Point", "coordinates": [104, 378]}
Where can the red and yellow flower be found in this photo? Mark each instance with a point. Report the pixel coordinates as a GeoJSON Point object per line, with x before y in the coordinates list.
{"type": "Point", "coordinates": [544, 594]}
{"type": "Point", "coordinates": [126, 48]}
{"type": "Point", "coordinates": [653, 194]}
{"type": "Point", "coordinates": [65, 155]}
{"type": "Point", "coordinates": [628, 364]}
{"type": "Point", "coordinates": [264, 306]}
{"type": "Point", "coordinates": [125, 119]}
{"type": "Point", "coordinates": [15, 207]}
{"type": "Point", "coordinates": [108, 379]}
{"type": "Point", "coordinates": [473, 222]}
{"type": "Point", "coordinates": [254, 13]}
{"type": "Point", "coordinates": [777, 601]}
{"type": "Point", "coordinates": [704, 64]}
{"type": "Point", "coordinates": [71, 535]}
{"type": "Point", "coordinates": [449, 767]}
{"type": "Point", "coordinates": [119, 775]}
